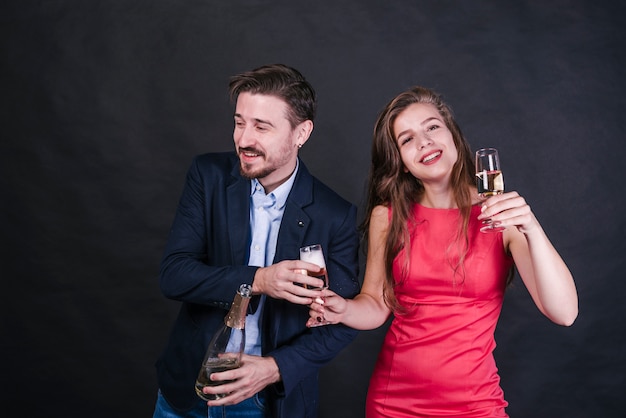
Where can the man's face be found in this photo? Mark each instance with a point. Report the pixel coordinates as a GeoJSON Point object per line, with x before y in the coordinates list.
{"type": "Point", "coordinates": [264, 140]}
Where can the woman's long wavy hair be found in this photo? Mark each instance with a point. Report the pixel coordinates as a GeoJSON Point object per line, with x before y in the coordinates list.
{"type": "Point", "coordinates": [391, 186]}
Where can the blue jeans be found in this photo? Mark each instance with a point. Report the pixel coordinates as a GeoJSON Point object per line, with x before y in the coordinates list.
{"type": "Point", "coordinates": [250, 408]}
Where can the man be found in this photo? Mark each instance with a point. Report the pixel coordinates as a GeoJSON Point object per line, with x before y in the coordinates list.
{"type": "Point", "coordinates": [242, 218]}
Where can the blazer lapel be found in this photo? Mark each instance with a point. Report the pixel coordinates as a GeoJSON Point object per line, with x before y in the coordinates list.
{"type": "Point", "coordinates": [296, 221]}
{"type": "Point", "coordinates": [293, 228]}
{"type": "Point", "coordinates": [238, 208]}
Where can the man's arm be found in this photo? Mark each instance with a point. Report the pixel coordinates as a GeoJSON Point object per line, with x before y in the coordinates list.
{"type": "Point", "coordinates": [191, 271]}
{"type": "Point", "coordinates": [313, 348]}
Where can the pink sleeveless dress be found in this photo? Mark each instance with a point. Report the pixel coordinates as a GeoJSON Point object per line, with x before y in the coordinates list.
{"type": "Point", "coordinates": [437, 357]}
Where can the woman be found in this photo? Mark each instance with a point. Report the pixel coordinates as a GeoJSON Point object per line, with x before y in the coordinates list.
{"type": "Point", "coordinates": [429, 265]}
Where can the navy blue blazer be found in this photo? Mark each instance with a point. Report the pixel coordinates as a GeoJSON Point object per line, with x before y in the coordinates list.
{"type": "Point", "coordinates": [205, 261]}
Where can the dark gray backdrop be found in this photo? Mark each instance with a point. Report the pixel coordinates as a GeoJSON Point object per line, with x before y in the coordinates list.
{"type": "Point", "coordinates": [104, 104]}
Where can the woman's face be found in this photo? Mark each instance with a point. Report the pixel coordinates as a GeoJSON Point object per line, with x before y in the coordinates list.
{"type": "Point", "coordinates": [425, 143]}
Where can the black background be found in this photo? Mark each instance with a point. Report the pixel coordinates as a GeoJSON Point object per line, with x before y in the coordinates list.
{"type": "Point", "coordinates": [104, 104]}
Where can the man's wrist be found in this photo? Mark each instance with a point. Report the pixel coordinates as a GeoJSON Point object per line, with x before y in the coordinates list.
{"type": "Point", "coordinates": [257, 280]}
{"type": "Point", "coordinates": [276, 377]}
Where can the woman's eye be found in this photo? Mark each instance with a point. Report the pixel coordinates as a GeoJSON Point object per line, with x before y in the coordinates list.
{"type": "Point", "coordinates": [405, 140]}
{"type": "Point", "coordinates": [432, 127]}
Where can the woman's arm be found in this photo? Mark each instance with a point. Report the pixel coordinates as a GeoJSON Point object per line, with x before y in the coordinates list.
{"type": "Point", "coordinates": [540, 266]}
{"type": "Point", "coordinates": [367, 310]}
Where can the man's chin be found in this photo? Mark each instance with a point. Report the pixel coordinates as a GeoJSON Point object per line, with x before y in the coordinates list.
{"type": "Point", "coordinates": [249, 173]}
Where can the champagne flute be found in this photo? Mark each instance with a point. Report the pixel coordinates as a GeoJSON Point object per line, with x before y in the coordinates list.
{"type": "Point", "coordinates": [315, 255]}
{"type": "Point", "coordinates": [489, 180]}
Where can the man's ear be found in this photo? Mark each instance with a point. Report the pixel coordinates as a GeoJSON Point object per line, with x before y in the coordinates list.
{"type": "Point", "coordinates": [304, 130]}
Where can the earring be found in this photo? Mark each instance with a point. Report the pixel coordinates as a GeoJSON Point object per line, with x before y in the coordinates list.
{"type": "Point", "coordinates": [299, 146]}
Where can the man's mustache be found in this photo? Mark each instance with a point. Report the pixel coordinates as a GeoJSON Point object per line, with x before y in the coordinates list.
{"type": "Point", "coordinates": [250, 150]}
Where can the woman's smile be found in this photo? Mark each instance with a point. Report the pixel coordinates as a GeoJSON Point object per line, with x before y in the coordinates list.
{"type": "Point", "coordinates": [431, 158]}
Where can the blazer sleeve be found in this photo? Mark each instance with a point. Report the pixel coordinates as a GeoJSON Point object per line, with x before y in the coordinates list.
{"type": "Point", "coordinates": [197, 265]}
{"type": "Point", "coordinates": [313, 348]}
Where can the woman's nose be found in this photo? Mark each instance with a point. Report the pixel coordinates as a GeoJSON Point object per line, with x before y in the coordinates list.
{"type": "Point", "coordinates": [423, 142]}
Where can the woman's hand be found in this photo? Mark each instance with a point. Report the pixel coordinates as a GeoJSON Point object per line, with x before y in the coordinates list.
{"type": "Point", "coordinates": [508, 209]}
{"type": "Point", "coordinates": [326, 309]}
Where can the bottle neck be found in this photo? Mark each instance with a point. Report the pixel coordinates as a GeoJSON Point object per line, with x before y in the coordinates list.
{"type": "Point", "coordinates": [236, 317]}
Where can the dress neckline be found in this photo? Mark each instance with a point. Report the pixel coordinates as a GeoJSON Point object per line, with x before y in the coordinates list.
{"type": "Point", "coordinates": [444, 209]}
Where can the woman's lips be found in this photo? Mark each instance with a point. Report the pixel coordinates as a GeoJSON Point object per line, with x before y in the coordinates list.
{"type": "Point", "coordinates": [429, 158]}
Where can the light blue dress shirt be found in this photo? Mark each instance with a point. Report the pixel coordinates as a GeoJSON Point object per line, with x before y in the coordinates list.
{"type": "Point", "coordinates": [266, 213]}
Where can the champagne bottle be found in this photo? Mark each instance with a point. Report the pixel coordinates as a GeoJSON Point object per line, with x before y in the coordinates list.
{"type": "Point", "coordinates": [220, 355]}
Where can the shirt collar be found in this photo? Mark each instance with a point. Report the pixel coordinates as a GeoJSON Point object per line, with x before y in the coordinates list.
{"type": "Point", "coordinates": [279, 195]}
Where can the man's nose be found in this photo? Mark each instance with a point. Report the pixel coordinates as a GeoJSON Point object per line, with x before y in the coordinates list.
{"type": "Point", "coordinates": [244, 137]}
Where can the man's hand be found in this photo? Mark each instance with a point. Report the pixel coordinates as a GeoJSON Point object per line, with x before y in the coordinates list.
{"type": "Point", "coordinates": [253, 376]}
{"type": "Point", "coordinates": [285, 280]}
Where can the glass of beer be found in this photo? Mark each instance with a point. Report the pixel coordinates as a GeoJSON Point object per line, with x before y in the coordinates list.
{"type": "Point", "coordinates": [489, 179]}
{"type": "Point", "coordinates": [315, 255]}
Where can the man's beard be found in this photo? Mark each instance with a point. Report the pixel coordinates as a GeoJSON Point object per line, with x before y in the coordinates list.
{"type": "Point", "coordinates": [246, 169]}
{"type": "Point", "coordinates": [272, 164]}
{"type": "Point", "coordinates": [259, 174]}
